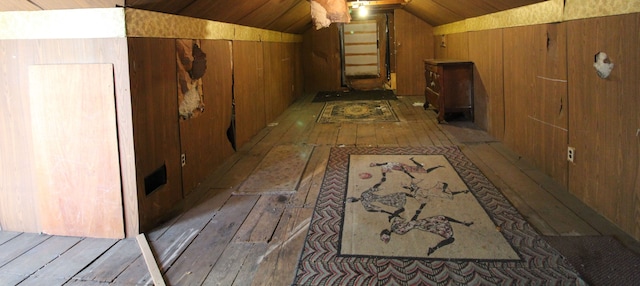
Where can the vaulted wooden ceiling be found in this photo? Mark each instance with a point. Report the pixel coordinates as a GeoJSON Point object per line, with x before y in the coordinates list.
{"type": "Point", "coordinates": [291, 16]}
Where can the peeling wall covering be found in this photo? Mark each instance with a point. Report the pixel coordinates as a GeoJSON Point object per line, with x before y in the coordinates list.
{"type": "Point", "coordinates": [63, 24]}
{"type": "Point", "coordinates": [540, 13]}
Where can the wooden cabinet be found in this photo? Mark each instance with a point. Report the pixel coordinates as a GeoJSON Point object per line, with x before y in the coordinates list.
{"type": "Point", "coordinates": [449, 87]}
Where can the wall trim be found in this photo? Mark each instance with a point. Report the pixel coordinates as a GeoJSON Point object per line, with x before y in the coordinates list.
{"type": "Point", "coordinates": [126, 22]}
{"type": "Point", "coordinates": [551, 11]}
{"type": "Point", "coordinates": [63, 24]}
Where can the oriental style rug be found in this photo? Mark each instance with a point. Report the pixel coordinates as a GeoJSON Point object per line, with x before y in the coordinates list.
{"type": "Point", "coordinates": [357, 111]}
{"type": "Point", "coordinates": [279, 172]}
{"type": "Point", "coordinates": [420, 216]}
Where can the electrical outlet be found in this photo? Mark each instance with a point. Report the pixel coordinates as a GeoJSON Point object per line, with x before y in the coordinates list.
{"type": "Point", "coordinates": [183, 159]}
{"type": "Point", "coordinates": [571, 154]}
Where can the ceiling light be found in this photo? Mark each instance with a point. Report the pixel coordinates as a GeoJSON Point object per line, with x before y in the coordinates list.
{"type": "Point", "coordinates": [363, 11]}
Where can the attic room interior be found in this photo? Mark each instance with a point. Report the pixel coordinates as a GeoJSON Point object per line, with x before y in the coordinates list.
{"type": "Point", "coordinates": [213, 142]}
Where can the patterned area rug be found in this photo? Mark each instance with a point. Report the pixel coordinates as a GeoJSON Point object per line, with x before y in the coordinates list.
{"type": "Point", "coordinates": [357, 111]}
{"type": "Point", "coordinates": [278, 172]}
{"type": "Point", "coordinates": [420, 216]}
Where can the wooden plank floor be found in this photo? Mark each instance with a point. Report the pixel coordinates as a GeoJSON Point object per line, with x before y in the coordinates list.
{"type": "Point", "coordinates": [226, 239]}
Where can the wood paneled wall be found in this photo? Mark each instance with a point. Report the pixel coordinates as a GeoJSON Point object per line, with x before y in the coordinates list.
{"type": "Point", "coordinates": [266, 80]}
{"type": "Point", "coordinates": [604, 118]}
{"type": "Point", "coordinates": [155, 119]}
{"type": "Point", "coordinates": [18, 196]}
{"type": "Point", "coordinates": [414, 44]}
{"type": "Point", "coordinates": [552, 99]}
{"type": "Point", "coordinates": [452, 46]}
{"type": "Point", "coordinates": [322, 59]}
{"type": "Point", "coordinates": [486, 53]}
{"type": "Point", "coordinates": [535, 92]}
{"type": "Point", "coordinates": [203, 139]}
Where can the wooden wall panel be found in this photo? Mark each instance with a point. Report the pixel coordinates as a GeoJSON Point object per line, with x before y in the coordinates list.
{"type": "Point", "coordinates": [604, 118]}
{"type": "Point", "coordinates": [456, 46]}
{"type": "Point", "coordinates": [17, 189]}
{"type": "Point", "coordinates": [535, 92]}
{"type": "Point", "coordinates": [75, 142]}
{"type": "Point", "coordinates": [248, 89]}
{"type": "Point", "coordinates": [203, 139]}
{"type": "Point", "coordinates": [486, 53]}
{"type": "Point", "coordinates": [277, 98]}
{"type": "Point", "coordinates": [155, 119]}
{"type": "Point", "coordinates": [321, 54]}
{"type": "Point", "coordinates": [414, 44]}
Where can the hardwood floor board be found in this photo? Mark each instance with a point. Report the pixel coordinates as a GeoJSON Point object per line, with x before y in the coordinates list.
{"type": "Point", "coordinates": [262, 220]}
{"type": "Point", "coordinates": [237, 264]}
{"type": "Point", "coordinates": [430, 133]}
{"type": "Point", "coordinates": [563, 220]}
{"type": "Point", "coordinates": [242, 168]}
{"type": "Point", "coordinates": [75, 282]}
{"type": "Point", "coordinates": [513, 157]}
{"type": "Point", "coordinates": [385, 135]}
{"type": "Point", "coordinates": [347, 134]}
{"type": "Point", "coordinates": [328, 134]}
{"type": "Point", "coordinates": [11, 279]}
{"type": "Point", "coordinates": [278, 265]}
{"type": "Point", "coordinates": [366, 135]}
{"type": "Point", "coordinates": [174, 240]}
{"type": "Point", "coordinates": [19, 245]}
{"type": "Point", "coordinates": [70, 262]}
{"type": "Point", "coordinates": [523, 208]}
{"type": "Point", "coordinates": [405, 135]}
{"type": "Point", "coordinates": [7, 235]}
{"type": "Point", "coordinates": [195, 263]}
{"type": "Point", "coordinates": [311, 178]}
{"type": "Point", "coordinates": [40, 255]}
{"type": "Point", "coordinates": [112, 262]}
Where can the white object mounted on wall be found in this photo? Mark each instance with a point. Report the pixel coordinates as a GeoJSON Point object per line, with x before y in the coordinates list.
{"type": "Point", "coordinates": [603, 65]}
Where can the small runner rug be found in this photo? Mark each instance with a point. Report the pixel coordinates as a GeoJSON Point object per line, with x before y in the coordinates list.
{"type": "Point", "coordinates": [357, 111]}
{"type": "Point", "coordinates": [279, 171]}
{"type": "Point", "coordinates": [420, 216]}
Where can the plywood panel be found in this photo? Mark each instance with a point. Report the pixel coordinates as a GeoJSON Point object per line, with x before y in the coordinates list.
{"type": "Point", "coordinates": [75, 142]}
{"type": "Point", "coordinates": [248, 89]}
{"type": "Point", "coordinates": [155, 119]}
{"type": "Point", "coordinates": [203, 139]}
{"type": "Point", "coordinates": [485, 51]}
{"type": "Point", "coordinates": [536, 96]}
{"type": "Point", "coordinates": [414, 43]}
{"type": "Point", "coordinates": [604, 118]}
{"type": "Point", "coordinates": [17, 188]}
{"type": "Point", "coordinates": [322, 66]}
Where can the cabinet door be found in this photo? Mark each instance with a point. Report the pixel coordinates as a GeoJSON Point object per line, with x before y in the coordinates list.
{"type": "Point", "coordinates": [76, 150]}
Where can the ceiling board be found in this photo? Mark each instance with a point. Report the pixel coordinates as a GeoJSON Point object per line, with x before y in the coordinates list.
{"type": "Point", "coordinates": [291, 16]}
{"type": "Point", "coordinates": [74, 4]}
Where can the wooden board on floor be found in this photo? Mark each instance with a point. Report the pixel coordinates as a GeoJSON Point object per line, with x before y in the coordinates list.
{"type": "Point", "coordinates": [562, 220]}
{"type": "Point", "coordinates": [195, 263]}
{"type": "Point", "coordinates": [21, 244]}
{"type": "Point", "coordinates": [278, 267]}
{"type": "Point", "coordinates": [263, 219]}
{"type": "Point", "coordinates": [109, 265]}
{"type": "Point", "coordinates": [237, 265]}
{"type": "Point", "coordinates": [40, 255]}
{"type": "Point", "coordinates": [72, 261]}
